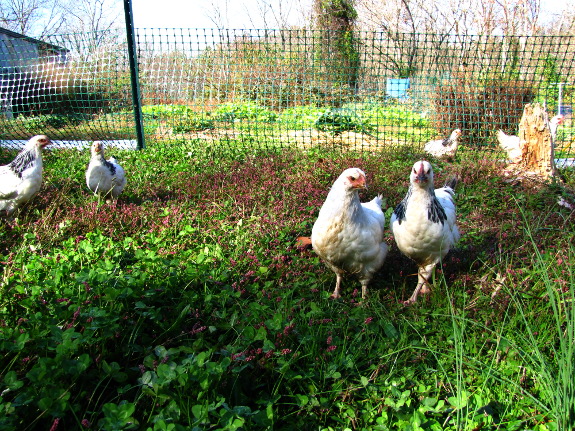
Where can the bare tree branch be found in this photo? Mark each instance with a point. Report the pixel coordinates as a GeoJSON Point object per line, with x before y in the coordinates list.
{"type": "Point", "coordinates": [36, 18]}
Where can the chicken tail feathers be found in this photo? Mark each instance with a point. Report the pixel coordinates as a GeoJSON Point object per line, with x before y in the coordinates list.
{"type": "Point", "coordinates": [503, 139]}
{"type": "Point", "coordinates": [451, 183]}
{"type": "Point", "coordinates": [378, 201]}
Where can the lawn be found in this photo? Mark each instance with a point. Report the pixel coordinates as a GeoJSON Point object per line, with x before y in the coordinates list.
{"type": "Point", "coordinates": [189, 306]}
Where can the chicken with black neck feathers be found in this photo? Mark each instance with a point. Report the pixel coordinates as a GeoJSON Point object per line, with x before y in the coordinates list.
{"type": "Point", "coordinates": [21, 179]}
{"type": "Point", "coordinates": [444, 148]}
{"type": "Point", "coordinates": [348, 234]}
{"type": "Point", "coordinates": [424, 224]}
{"type": "Point", "coordinates": [105, 178]}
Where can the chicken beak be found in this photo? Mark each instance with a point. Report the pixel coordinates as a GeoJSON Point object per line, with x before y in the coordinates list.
{"type": "Point", "coordinates": [361, 183]}
{"type": "Point", "coordinates": [421, 176]}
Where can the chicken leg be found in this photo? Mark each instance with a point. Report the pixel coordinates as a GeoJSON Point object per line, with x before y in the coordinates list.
{"type": "Point", "coordinates": [336, 294]}
{"type": "Point", "coordinates": [423, 286]}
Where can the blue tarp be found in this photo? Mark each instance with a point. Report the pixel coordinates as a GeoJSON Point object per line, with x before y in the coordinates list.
{"type": "Point", "coordinates": [397, 88]}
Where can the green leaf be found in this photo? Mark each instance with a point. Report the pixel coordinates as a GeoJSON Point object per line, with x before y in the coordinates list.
{"type": "Point", "coordinates": [21, 340]}
{"type": "Point", "coordinates": [11, 381]}
{"type": "Point", "coordinates": [45, 403]}
{"type": "Point", "coordinates": [390, 330]}
{"type": "Point", "coordinates": [199, 411]}
{"type": "Point", "coordinates": [301, 400]}
{"type": "Point", "coordinates": [459, 402]}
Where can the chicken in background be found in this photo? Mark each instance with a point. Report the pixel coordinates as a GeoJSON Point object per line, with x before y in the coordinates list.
{"type": "Point", "coordinates": [444, 147]}
{"type": "Point", "coordinates": [510, 143]}
{"type": "Point", "coordinates": [348, 234]}
{"type": "Point", "coordinates": [21, 179]}
{"type": "Point", "coordinates": [424, 224]}
{"type": "Point", "coordinates": [105, 178]}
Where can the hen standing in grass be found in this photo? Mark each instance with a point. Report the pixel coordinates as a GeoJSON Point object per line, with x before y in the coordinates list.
{"type": "Point", "coordinates": [348, 234]}
{"type": "Point", "coordinates": [423, 224]}
{"type": "Point", "coordinates": [21, 179]}
{"type": "Point", "coordinates": [510, 143]}
{"type": "Point", "coordinates": [444, 147]}
{"type": "Point", "coordinates": [105, 178]}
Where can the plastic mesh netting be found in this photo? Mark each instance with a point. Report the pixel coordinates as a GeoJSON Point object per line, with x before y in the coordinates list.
{"type": "Point", "coordinates": [303, 88]}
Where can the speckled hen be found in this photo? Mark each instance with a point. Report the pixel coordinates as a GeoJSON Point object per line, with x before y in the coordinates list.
{"type": "Point", "coordinates": [21, 179]}
{"type": "Point", "coordinates": [424, 223]}
{"type": "Point", "coordinates": [444, 148]}
{"type": "Point", "coordinates": [105, 178]}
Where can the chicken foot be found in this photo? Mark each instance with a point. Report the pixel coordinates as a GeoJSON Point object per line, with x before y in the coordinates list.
{"type": "Point", "coordinates": [423, 286]}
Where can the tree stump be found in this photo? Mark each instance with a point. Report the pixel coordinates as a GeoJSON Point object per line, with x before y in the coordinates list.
{"type": "Point", "coordinates": [535, 143]}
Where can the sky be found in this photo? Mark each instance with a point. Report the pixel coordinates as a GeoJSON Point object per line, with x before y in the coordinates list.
{"type": "Point", "coordinates": [242, 13]}
{"type": "Point", "coordinates": [201, 13]}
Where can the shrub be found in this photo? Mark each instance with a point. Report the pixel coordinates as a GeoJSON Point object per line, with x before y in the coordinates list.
{"type": "Point", "coordinates": [480, 107]}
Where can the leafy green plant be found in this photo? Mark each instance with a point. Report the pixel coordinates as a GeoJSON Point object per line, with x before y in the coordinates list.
{"type": "Point", "coordinates": [166, 111]}
{"type": "Point", "coordinates": [244, 111]}
{"type": "Point", "coordinates": [341, 120]}
{"type": "Point", "coordinates": [301, 117]}
{"type": "Point", "coordinates": [192, 124]}
{"type": "Point", "coordinates": [33, 124]}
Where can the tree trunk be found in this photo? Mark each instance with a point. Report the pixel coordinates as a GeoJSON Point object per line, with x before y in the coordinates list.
{"type": "Point", "coordinates": [536, 142]}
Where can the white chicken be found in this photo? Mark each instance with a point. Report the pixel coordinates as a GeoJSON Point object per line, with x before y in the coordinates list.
{"type": "Point", "coordinates": [444, 147]}
{"type": "Point", "coordinates": [348, 234]}
{"type": "Point", "coordinates": [21, 179]}
{"type": "Point", "coordinates": [510, 143]}
{"type": "Point", "coordinates": [105, 178]}
{"type": "Point", "coordinates": [423, 224]}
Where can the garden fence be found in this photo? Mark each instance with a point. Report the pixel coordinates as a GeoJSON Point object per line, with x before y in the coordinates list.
{"type": "Point", "coordinates": [269, 88]}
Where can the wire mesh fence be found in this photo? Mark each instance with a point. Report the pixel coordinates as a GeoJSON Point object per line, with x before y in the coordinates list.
{"type": "Point", "coordinates": [270, 88]}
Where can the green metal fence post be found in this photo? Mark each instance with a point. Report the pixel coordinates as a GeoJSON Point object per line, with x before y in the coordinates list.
{"type": "Point", "coordinates": [136, 100]}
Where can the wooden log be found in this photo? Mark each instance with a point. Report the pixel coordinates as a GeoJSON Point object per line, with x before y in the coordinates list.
{"type": "Point", "coordinates": [536, 143]}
